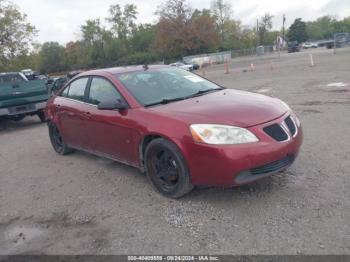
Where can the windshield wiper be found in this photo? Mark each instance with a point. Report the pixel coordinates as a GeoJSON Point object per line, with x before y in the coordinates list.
{"type": "Point", "coordinates": [202, 92]}
{"type": "Point", "coordinates": [165, 101]}
{"type": "Point", "coordinates": [169, 100]}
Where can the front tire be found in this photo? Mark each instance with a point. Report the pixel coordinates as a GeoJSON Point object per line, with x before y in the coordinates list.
{"type": "Point", "coordinates": [167, 169]}
{"type": "Point", "coordinates": [57, 140]}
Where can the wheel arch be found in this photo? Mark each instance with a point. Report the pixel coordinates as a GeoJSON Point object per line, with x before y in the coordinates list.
{"type": "Point", "coordinates": [146, 140]}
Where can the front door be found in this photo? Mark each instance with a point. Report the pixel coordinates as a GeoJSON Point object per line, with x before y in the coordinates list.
{"type": "Point", "coordinates": [110, 131]}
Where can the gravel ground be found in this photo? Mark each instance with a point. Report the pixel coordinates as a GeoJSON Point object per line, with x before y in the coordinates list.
{"type": "Point", "coordinates": [82, 204]}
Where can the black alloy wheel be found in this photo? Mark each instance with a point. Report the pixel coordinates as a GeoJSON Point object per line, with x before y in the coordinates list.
{"type": "Point", "coordinates": [57, 140]}
{"type": "Point", "coordinates": [167, 169]}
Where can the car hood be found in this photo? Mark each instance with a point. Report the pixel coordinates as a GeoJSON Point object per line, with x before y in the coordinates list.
{"type": "Point", "coordinates": [231, 107]}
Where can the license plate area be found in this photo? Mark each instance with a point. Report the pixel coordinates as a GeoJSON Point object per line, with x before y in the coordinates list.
{"type": "Point", "coordinates": [21, 109]}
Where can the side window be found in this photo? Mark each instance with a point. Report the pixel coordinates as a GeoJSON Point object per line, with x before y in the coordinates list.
{"type": "Point", "coordinates": [101, 90]}
{"type": "Point", "coordinates": [65, 91]}
{"type": "Point", "coordinates": [77, 89]}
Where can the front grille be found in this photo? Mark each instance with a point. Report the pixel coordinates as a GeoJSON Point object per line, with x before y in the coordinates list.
{"type": "Point", "coordinates": [291, 126]}
{"type": "Point", "coordinates": [276, 132]}
{"type": "Point", "coordinates": [273, 167]}
{"type": "Point", "coordinates": [264, 171]}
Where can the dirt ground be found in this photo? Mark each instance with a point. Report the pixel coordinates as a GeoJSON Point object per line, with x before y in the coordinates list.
{"type": "Point", "coordinates": [82, 204]}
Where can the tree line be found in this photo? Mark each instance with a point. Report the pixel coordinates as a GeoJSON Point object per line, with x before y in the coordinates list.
{"type": "Point", "coordinates": [119, 40]}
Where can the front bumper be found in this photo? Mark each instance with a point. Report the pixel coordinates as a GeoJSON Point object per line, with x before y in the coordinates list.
{"type": "Point", "coordinates": [233, 165]}
{"type": "Point", "coordinates": [22, 109]}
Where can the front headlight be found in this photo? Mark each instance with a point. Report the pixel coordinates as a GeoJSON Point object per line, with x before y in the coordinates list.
{"type": "Point", "coordinates": [222, 134]}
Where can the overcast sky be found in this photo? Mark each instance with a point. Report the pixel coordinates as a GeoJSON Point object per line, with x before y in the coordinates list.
{"type": "Point", "coordinates": [60, 20]}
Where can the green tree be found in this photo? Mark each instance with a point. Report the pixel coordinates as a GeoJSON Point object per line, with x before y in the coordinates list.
{"type": "Point", "coordinates": [122, 21]}
{"type": "Point", "coordinates": [75, 55]}
{"type": "Point", "coordinates": [297, 31]}
{"type": "Point", "coordinates": [16, 34]}
{"type": "Point", "coordinates": [143, 38]}
{"type": "Point", "coordinates": [326, 26]}
{"type": "Point", "coordinates": [94, 40]}
{"type": "Point", "coordinates": [222, 12]}
{"type": "Point", "coordinates": [342, 26]}
{"type": "Point", "coordinates": [52, 58]}
{"type": "Point", "coordinates": [92, 31]}
{"type": "Point", "coordinates": [265, 25]}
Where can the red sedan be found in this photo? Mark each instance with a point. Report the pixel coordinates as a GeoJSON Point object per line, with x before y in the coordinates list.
{"type": "Point", "coordinates": [179, 128]}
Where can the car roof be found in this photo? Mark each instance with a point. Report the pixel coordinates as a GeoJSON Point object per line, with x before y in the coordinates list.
{"type": "Point", "coordinates": [120, 70]}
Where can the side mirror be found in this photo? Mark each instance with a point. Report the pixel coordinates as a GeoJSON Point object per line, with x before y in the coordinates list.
{"type": "Point", "coordinates": [112, 104]}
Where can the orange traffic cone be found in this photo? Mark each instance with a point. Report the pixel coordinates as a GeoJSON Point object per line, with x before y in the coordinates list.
{"type": "Point", "coordinates": [203, 69]}
{"type": "Point", "coordinates": [227, 69]}
{"type": "Point", "coordinates": [312, 64]}
{"type": "Point", "coordinates": [252, 67]}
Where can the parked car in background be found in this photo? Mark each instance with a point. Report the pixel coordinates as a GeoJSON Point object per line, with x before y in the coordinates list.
{"type": "Point", "coordinates": [340, 40]}
{"type": "Point", "coordinates": [183, 66]}
{"type": "Point", "coordinates": [72, 74]}
{"type": "Point", "coordinates": [41, 77]}
{"type": "Point", "coordinates": [20, 97]}
{"type": "Point", "coordinates": [307, 45]}
{"type": "Point", "coordinates": [293, 46]}
{"type": "Point", "coordinates": [179, 128]}
{"type": "Point", "coordinates": [58, 83]}
{"type": "Point", "coordinates": [195, 66]}
{"type": "Point", "coordinates": [29, 73]}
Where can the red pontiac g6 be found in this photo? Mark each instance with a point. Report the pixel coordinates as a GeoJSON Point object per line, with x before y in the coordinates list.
{"type": "Point", "coordinates": [179, 128]}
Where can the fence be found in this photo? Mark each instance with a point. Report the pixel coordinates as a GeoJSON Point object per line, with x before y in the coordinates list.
{"type": "Point", "coordinates": [213, 58]}
{"type": "Point", "coordinates": [221, 57]}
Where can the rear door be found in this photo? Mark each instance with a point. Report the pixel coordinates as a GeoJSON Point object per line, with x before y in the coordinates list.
{"type": "Point", "coordinates": [70, 112]}
{"type": "Point", "coordinates": [110, 132]}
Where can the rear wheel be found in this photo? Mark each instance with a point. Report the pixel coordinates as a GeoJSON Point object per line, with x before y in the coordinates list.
{"type": "Point", "coordinates": [17, 118]}
{"type": "Point", "coordinates": [57, 140]}
{"type": "Point", "coordinates": [167, 169]}
{"type": "Point", "coordinates": [42, 116]}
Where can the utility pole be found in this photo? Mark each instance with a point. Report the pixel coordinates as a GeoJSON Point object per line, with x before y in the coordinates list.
{"type": "Point", "coordinates": [284, 22]}
{"type": "Point", "coordinates": [257, 32]}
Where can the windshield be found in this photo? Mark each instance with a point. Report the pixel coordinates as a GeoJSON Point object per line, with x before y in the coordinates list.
{"type": "Point", "coordinates": [165, 85]}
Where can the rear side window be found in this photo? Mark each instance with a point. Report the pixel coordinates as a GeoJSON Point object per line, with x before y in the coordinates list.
{"type": "Point", "coordinates": [101, 90]}
{"type": "Point", "coordinates": [76, 90]}
{"type": "Point", "coordinates": [12, 78]}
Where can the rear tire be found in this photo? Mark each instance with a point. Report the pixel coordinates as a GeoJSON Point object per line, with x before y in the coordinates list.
{"type": "Point", "coordinates": [57, 140]}
{"type": "Point", "coordinates": [42, 116]}
{"type": "Point", "coordinates": [166, 169]}
{"type": "Point", "coordinates": [17, 118]}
